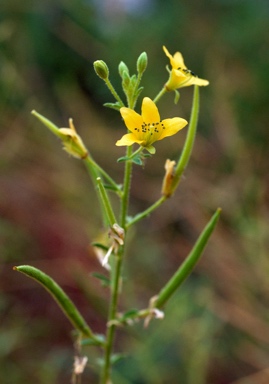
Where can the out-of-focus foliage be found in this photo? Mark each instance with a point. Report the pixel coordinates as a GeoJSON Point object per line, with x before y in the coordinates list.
{"type": "Point", "coordinates": [216, 329]}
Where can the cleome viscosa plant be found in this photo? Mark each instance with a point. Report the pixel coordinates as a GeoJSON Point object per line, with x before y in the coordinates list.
{"type": "Point", "coordinates": [143, 130]}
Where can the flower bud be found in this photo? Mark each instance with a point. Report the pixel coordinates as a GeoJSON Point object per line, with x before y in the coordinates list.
{"type": "Point", "coordinates": [142, 63]}
{"type": "Point", "coordinates": [125, 80]}
{"type": "Point", "coordinates": [123, 68]}
{"type": "Point", "coordinates": [101, 69]}
{"type": "Point", "coordinates": [72, 142]}
{"type": "Point", "coordinates": [167, 187]}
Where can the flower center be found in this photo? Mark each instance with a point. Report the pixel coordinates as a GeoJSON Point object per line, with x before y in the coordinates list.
{"type": "Point", "coordinates": [187, 71]}
{"type": "Point", "coordinates": [150, 132]}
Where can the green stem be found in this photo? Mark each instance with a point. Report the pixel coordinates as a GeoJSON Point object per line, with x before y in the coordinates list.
{"type": "Point", "coordinates": [113, 91]}
{"type": "Point", "coordinates": [189, 142]}
{"type": "Point", "coordinates": [126, 189]}
{"type": "Point", "coordinates": [160, 94]}
{"type": "Point", "coordinates": [147, 212]}
{"type": "Point", "coordinates": [106, 203]}
{"type": "Point", "coordinates": [135, 153]}
{"type": "Point", "coordinates": [95, 169]}
{"type": "Point", "coordinates": [94, 174]}
{"type": "Point", "coordinates": [112, 315]}
{"type": "Point", "coordinates": [127, 180]}
{"type": "Point", "coordinates": [115, 289]}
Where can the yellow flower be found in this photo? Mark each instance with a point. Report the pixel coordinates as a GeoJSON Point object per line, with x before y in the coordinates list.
{"type": "Point", "coordinates": [180, 75]}
{"type": "Point", "coordinates": [148, 127]}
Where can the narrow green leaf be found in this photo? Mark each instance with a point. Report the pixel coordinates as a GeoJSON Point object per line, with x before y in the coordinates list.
{"type": "Point", "coordinates": [104, 279]}
{"type": "Point", "coordinates": [113, 188]}
{"type": "Point", "coordinates": [115, 106]}
{"type": "Point", "coordinates": [64, 302]}
{"type": "Point", "coordinates": [99, 340]}
{"type": "Point", "coordinates": [121, 159]}
{"type": "Point", "coordinates": [187, 266]}
{"type": "Point", "coordinates": [137, 93]}
{"type": "Point", "coordinates": [117, 357]}
{"type": "Point", "coordinates": [130, 312]}
{"type": "Point", "coordinates": [100, 245]}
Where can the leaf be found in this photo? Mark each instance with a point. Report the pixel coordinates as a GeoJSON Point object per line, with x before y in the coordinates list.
{"type": "Point", "coordinates": [99, 337]}
{"type": "Point", "coordinates": [139, 90]}
{"type": "Point", "coordinates": [117, 357]}
{"type": "Point", "coordinates": [131, 313]}
{"type": "Point", "coordinates": [99, 245]}
{"type": "Point", "coordinates": [113, 187]}
{"type": "Point", "coordinates": [121, 159]}
{"type": "Point", "coordinates": [116, 106]}
{"type": "Point", "coordinates": [137, 160]}
{"type": "Point", "coordinates": [151, 149]}
{"type": "Point", "coordinates": [104, 279]}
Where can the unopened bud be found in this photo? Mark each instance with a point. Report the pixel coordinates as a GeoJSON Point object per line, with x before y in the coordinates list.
{"type": "Point", "coordinates": [123, 68]}
{"type": "Point", "coordinates": [125, 80]}
{"type": "Point", "coordinates": [169, 167]}
{"type": "Point", "coordinates": [142, 63]}
{"type": "Point", "coordinates": [101, 69]}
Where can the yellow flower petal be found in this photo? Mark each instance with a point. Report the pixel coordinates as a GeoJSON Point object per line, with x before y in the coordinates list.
{"type": "Point", "coordinates": [179, 79]}
{"type": "Point", "coordinates": [167, 53]}
{"type": "Point", "coordinates": [172, 126]}
{"type": "Point", "coordinates": [197, 81]}
{"type": "Point", "coordinates": [128, 139]}
{"type": "Point", "coordinates": [131, 118]}
{"type": "Point", "coordinates": [176, 61]}
{"type": "Point", "coordinates": [150, 113]}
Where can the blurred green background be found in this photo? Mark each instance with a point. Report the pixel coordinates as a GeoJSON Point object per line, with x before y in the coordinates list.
{"type": "Point", "coordinates": [216, 327]}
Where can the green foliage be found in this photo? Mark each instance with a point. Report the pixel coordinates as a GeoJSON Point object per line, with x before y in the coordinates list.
{"type": "Point", "coordinates": [46, 51]}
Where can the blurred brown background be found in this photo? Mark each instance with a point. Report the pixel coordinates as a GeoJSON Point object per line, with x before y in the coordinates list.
{"type": "Point", "coordinates": [216, 327]}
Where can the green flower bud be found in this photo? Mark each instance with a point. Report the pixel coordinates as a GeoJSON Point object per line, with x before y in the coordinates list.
{"type": "Point", "coordinates": [125, 80]}
{"type": "Point", "coordinates": [101, 69]}
{"type": "Point", "coordinates": [123, 68]}
{"type": "Point", "coordinates": [142, 63]}
{"type": "Point", "coordinates": [133, 80]}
